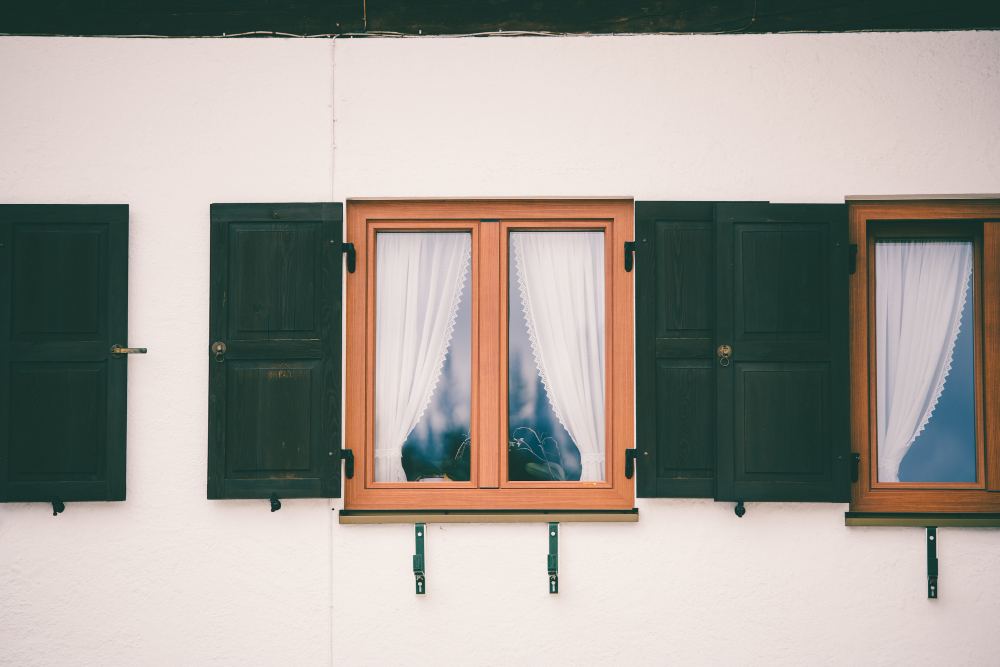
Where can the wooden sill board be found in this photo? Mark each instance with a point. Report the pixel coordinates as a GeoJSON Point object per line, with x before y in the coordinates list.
{"type": "Point", "coordinates": [957, 520]}
{"type": "Point", "coordinates": [488, 516]}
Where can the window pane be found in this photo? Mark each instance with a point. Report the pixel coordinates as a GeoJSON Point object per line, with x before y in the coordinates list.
{"type": "Point", "coordinates": [925, 361]}
{"type": "Point", "coordinates": [423, 357]}
{"type": "Point", "coordinates": [556, 356]}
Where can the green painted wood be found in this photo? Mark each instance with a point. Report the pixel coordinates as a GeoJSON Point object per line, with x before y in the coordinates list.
{"type": "Point", "coordinates": [783, 414]}
{"type": "Point", "coordinates": [675, 320]}
{"type": "Point", "coordinates": [64, 270]}
{"type": "Point", "coordinates": [274, 398]}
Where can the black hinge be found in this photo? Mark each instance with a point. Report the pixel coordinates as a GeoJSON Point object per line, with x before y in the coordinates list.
{"type": "Point", "coordinates": [855, 466]}
{"type": "Point", "coordinates": [347, 456]}
{"type": "Point", "coordinates": [629, 463]}
{"type": "Point", "coordinates": [352, 256]}
{"type": "Point", "coordinates": [852, 258]}
{"type": "Point", "coordinates": [629, 254]}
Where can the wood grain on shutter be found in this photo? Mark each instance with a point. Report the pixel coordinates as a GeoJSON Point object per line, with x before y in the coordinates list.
{"type": "Point", "coordinates": [675, 334]}
{"type": "Point", "coordinates": [64, 274]}
{"type": "Point", "coordinates": [274, 401]}
{"type": "Point", "coordinates": [782, 305]}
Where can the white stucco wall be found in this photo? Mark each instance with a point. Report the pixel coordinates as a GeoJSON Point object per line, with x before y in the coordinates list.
{"type": "Point", "coordinates": [170, 126]}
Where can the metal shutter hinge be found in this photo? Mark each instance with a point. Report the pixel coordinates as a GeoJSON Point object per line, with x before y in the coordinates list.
{"type": "Point", "coordinates": [629, 254]}
{"type": "Point", "coordinates": [275, 503]}
{"type": "Point", "coordinates": [852, 258]}
{"type": "Point", "coordinates": [629, 463]}
{"type": "Point", "coordinates": [347, 456]}
{"type": "Point", "coordinates": [57, 507]}
{"type": "Point", "coordinates": [855, 466]}
{"type": "Point", "coordinates": [352, 255]}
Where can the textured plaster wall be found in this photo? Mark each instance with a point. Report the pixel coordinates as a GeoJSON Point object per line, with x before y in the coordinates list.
{"type": "Point", "coordinates": [170, 126]}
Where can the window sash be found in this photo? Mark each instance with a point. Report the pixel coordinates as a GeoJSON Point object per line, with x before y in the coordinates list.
{"type": "Point", "coordinates": [490, 223]}
{"type": "Point", "coordinates": [870, 220]}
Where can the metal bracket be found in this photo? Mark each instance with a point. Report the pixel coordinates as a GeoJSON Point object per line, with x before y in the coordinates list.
{"type": "Point", "coordinates": [629, 463]}
{"type": "Point", "coordinates": [855, 466]}
{"type": "Point", "coordinates": [629, 254]}
{"type": "Point", "coordinates": [275, 503]}
{"type": "Point", "coordinates": [57, 507]}
{"type": "Point", "coordinates": [852, 258]}
{"type": "Point", "coordinates": [932, 562]}
{"type": "Point", "coordinates": [352, 255]}
{"type": "Point", "coordinates": [418, 559]}
{"type": "Point", "coordinates": [739, 509]}
{"type": "Point", "coordinates": [553, 557]}
{"type": "Point", "coordinates": [348, 457]}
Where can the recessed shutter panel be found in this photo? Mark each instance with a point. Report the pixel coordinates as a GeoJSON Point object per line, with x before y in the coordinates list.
{"type": "Point", "coordinates": [675, 336]}
{"type": "Point", "coordinates": [64, 286]}
{"type": "Point", "coordinates": [782, 397]}
{"type": "Point", "coordinates": [275, 360]}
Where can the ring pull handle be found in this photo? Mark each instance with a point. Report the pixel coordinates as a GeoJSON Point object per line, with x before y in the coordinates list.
{"type": "Point", "coordinates": [219, 350]}
{"type": "Point", "coordinates": [725, 353]}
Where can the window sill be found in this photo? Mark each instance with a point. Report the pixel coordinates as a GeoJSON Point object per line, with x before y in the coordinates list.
{"type": "Point", "coordinates": [489, 516]}
{"type": "Point", "coordinates": [951, 519]}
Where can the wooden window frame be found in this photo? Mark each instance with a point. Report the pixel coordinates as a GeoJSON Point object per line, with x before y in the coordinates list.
{"type": "Point", "coordinates": [979, 219]}
{"type": "Point", "coordinates": [489, 221]}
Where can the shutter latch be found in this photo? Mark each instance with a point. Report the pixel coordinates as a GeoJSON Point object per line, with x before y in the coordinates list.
{"type": "Point", "coordinates": [418, 558]}
{"type": "Point", "coordinates": [629, 463]}
{"type": "Point", "coordinates": [57, 507]}
{"type": "Point", "coordinates": [347, 456]}
{"type": "Point", "coordinates": [629, 254]}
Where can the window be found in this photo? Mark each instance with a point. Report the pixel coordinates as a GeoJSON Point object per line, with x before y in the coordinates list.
{"type": "Point", "coordinates": [924, 310]}
{"type": "Point", "coordinates": [489, 355]}
{"type": "Point", "coordinates": [63, 305]}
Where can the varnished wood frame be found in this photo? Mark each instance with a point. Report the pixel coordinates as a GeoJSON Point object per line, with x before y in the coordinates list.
{"type": "Point", "coordinates": [489, 218]}
{"type": "Point", "coordinates": [867, 495]}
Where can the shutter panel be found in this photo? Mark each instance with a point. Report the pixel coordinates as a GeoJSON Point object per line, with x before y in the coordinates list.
{"type": "Point", "coordinates": [675, 349]}
{"type": "Point", "coordinates": [64, 281]}
{"type": "Point", "coordinates": [783, 412]}
{"type": "Point", "coordinates": [274, 396]}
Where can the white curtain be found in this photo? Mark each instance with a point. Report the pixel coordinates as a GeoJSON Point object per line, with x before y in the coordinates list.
{"type": "Point", "coordinates": [561, 279]}
{"type": "Point", "coordinates": [418, 286]}
{"type": "Point", "coordinates": [920, 290]}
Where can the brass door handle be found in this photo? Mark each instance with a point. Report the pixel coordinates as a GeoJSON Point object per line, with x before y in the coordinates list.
{"type": "Point", "coordinates": [119, 351]}
{"type": "Point", "coordinates": [725, 353]}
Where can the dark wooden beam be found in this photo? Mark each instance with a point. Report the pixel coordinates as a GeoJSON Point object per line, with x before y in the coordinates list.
{"type": "Point", "coordinates": [185, 18]}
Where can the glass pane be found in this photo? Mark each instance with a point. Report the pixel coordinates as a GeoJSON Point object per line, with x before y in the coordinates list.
{"type": "Point", "coordinates": [423, 357]}
{"type": "Point", "coordinates": [924, 328]}
{"type": "Point", "coordinates": [555, 350]}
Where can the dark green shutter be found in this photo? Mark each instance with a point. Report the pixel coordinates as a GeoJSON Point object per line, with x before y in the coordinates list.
{"type": "Point", "coordinates": [675, 347]}
{"type": "Point", "coordinates": [274, 417]}
{"type": "Point", "coordinates": [64, 286]}
{"type": "Point", "coordinates": [777, 416]}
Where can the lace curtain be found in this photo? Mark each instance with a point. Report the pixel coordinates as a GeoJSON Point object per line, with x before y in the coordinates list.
{"type": "Point", "coordinates": [418, 287]}
{"type": "Point", "coordinates": [561, 280]}
{"type": "Point", "coordinates": [920, 291]}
